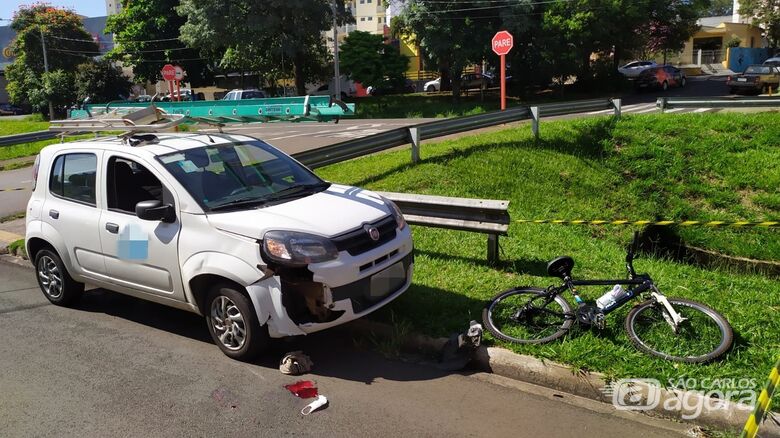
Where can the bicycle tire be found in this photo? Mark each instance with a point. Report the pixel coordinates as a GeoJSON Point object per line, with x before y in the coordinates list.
{"type": "Point", "coordinates": [726, 332]}
{"type": "Point", "coordinates": [489, 311]}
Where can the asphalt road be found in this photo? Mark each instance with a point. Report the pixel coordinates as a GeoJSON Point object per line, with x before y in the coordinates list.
{"type": "Point", "coordinates": [118, 366]}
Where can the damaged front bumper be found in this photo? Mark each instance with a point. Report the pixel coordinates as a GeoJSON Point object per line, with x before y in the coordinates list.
{"type": "Point", "coordinates": [352, 287]}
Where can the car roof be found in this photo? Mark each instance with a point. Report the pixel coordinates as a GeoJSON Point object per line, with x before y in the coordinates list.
{"type": "Point", "coordinates": [167, 143]}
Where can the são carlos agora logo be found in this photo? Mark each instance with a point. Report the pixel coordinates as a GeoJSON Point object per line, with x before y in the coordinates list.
{"type": "Point", "coordinates": [133, 243]}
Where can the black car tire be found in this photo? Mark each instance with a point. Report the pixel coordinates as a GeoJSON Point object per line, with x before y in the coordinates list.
{"type": "Point", "coordinates": [431, 89]}
{"type": "Point", "coordinates": [682, 82]}
{"type": "Point", "coordinates": [665, 86]}
{"type": "Point", "coordinates": [253, 338]}
{"type": "Point", "coordinates": [54, 280]}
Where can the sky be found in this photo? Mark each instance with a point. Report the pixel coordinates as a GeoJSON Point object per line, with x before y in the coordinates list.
{"type": "Point", "coordinates": [89, 8]}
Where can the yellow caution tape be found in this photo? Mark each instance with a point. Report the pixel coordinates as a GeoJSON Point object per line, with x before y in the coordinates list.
{"type": "Point", "coordinates": [762, 404]}
{"type": "Point", "coordinates": [712, 224]}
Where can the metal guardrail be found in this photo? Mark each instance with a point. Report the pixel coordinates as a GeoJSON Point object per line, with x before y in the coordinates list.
{"type": "Point", "coordinates": [485, 216]}
{"type": "Point", "coordinates": [664, 103]}
{"type": "Point", "coordinates": [27, 137]}
{"type": "Point", "coordinates": [440, 128]}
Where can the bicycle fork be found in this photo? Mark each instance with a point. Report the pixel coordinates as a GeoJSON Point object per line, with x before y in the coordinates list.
{"type": "Point", "coordinates": [671, 316]}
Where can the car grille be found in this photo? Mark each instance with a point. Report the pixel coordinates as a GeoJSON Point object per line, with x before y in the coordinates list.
{"type": "Point", "coordinates": [358, 241]}
{"type": "Point", "coordinates": [359, 292]}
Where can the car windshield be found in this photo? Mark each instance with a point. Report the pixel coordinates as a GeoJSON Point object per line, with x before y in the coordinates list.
{"type": "Point", "coordinates": [758, 69]}
{"type": "Point", "coordinates": [240, 175]}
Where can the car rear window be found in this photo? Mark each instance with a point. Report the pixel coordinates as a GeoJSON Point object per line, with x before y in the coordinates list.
{"type": "Point", "coordinates": [759, 69]}
{"type": "Point", "coordinates": [73, 177]}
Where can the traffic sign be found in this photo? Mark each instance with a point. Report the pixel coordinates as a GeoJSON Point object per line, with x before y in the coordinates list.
{"type": "Point", "coordinates": [502, 43]}
{"type": "Point", "coordinates": [179, 75]}
{"type": "Point", "coordinates": [168, 72]}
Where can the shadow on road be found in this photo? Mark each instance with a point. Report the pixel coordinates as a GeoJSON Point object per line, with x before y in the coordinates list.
{"type": "Point", "coordinates": [336, 352]}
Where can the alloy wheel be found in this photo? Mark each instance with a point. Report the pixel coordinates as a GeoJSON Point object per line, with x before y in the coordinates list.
{"type": "Point", "coordinates": [228, 323]}
{"type": "Point", "coordinates": [50, 277]}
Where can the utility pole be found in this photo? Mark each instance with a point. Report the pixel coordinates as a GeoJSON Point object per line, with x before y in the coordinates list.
{"type": "Point", "coordinates": [337, 75]}
{"type": "Point", "coordinates": [46, 69]}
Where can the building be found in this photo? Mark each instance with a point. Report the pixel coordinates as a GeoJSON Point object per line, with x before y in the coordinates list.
{"type": "Point", "coordinates": [113, 7]}
{"type": "Point", "coordinates": [711, 45]}
{"type": "Point", "coordinates": [370, 16]}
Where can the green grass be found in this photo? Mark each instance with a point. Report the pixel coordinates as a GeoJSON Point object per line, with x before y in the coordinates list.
{"type": "Point", "coordinates": [30, 149]}
{"type": "Point", "coordinates": [643, 166]}
{"type": "Point", "coordinates": [17, 248]}
{"type": "Point", "coordinates": [28, 124]}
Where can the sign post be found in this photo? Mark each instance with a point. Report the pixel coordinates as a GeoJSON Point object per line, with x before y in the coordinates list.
{"type": "Point", "coordinates": [169, 74]}
{"type": "Point", "coordinates": [178, 76]}
{"type": "Point", "coordinates": [502, 43]}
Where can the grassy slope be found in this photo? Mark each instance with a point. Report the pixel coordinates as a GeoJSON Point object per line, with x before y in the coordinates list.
{"type": "Point", "coordinates": [578, 171]}
{"type": "Point", "coordinates": [28, 124]}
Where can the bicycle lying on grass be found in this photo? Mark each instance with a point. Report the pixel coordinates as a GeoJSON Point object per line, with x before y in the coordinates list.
{"type": "Point", "coordinates": [670, 328]}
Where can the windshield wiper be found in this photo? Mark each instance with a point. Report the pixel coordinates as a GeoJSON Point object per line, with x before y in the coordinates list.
{"type": "Point", "coordinates": [238, 202]}
{"type": "Point", "coordinates": [296, 191]}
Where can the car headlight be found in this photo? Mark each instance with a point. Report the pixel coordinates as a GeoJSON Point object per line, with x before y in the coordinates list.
{"type": "Point", "coordinates": [294, 248]}
{"type": "Point", "coordinates": [396, 212]}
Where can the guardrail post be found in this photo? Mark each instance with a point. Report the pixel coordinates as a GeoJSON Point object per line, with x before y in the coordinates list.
{"type": "Point", "coordinates": [618, 104]}
{"type": "Point", "coordinates": [661, 103]}
{"type": "Point", "coordinates": [492, 249]}
{"type": "Point", "coordinates": [414, 135]}
{"type": "Point", "coordinates": [534, 125]}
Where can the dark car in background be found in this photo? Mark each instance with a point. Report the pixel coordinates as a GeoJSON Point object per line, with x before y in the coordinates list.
{"type": "Point", "coordinates": [756, 79]}
{"type": "Point", "coordinates": [663, 77]}
{"type": "Point", "coordinates": [6, 109]}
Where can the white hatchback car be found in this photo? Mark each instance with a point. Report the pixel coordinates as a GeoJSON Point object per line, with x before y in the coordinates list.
{"type": "Point", "coordinates": [225, 226]}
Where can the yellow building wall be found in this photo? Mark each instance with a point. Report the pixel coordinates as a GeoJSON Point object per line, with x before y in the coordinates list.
{"type": "Point", "coordinates": [727, 31]}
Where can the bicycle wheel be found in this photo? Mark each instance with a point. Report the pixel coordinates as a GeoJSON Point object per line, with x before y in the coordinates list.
{"type": "Point", "coordinates": [520, 315]}
{"type": "Point", "coordinates": [703, 336]}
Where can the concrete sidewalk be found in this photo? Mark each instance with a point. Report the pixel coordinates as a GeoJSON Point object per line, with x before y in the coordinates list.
{"type": "Point", "coordinates": [11, 231]}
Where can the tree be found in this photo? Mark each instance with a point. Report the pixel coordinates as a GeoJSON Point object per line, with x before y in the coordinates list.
{"type": "Point", "coordinates": [366, 58]}
{"type": "Point", "coordinates": [146, 36]}
{"type": "Point", "coordinates": [719, 7]}
{"type": "Point", "coordinates": [766, 15]}
{"type": "Point", "coordinates": [100, 82]}
{"type": "Point", "coordinates": [672, 25]}
{"type": "Point", "coordinates": [272, 31]}
{"type": "Point", "coordinates": [67, 45]}
{"type": "Point", "coordinates": [453, 34]}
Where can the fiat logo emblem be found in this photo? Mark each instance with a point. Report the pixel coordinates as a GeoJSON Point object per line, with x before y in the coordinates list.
{"type": "Point", "coordinates": [373, 233]}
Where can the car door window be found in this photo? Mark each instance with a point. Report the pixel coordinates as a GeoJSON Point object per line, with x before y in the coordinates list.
{"type": "Point", "coordinates": [128, 183]}
{"type": "Point", "coordinates": [73, 177]}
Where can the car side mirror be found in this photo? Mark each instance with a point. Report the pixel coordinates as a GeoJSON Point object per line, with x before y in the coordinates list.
{"type": "Point", "coordinates": [154, 210]}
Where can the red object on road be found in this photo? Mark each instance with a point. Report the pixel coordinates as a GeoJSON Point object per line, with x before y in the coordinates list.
{"type": "Point", "coordinates": [168, 72]}
{"type": "Point", "coordinates": [502, 43]}
{"type": "Point", "coordinates": [303, 389]}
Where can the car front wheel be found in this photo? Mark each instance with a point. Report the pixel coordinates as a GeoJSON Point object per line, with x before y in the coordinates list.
{"type": "Point", "coordinates": [431, 89]}
{"type": "Point", "coordinates": [233, 324]}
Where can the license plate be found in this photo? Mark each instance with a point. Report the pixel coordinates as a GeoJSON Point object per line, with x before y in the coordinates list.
{"type": "Point", "coordinates": [741, 79]}
{"type": "Point", "coordinates": [387, 281]}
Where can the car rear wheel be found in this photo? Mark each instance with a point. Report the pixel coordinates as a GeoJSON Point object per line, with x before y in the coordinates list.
{"type": "Point", "coordinates": [55, 282]}
{"type": "Point", "coordinates": [233, 324]}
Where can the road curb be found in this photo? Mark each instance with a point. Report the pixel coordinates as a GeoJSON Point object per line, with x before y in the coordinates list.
{"type": "Point", "coordinates": [671, 404]}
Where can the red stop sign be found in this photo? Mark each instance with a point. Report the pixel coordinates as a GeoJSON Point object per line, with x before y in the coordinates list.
{"type": "Point", "coordinates": [502, 42]}
{"type": "Point", "coordinates": [168, 72]}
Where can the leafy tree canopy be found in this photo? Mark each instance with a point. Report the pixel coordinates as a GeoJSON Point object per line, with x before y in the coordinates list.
{"type": "Point", "coordinates": [273, 32]}
{"type": "Point", "coordinates": [146, 36]}
{"type": "Point", "coordinates": [366, 58]}
{"type": "Point", "coordinates": [67, 42]}
{"type": "Point", "coordinates": [766, 14]}
{"type": "Point", "coordinates": [100, 82]}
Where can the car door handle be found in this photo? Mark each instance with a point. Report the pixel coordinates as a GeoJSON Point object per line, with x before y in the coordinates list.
{"type": "Point", "coordinates": [112, 228]}
{"type": "Point", "coordinates": [54, 214]}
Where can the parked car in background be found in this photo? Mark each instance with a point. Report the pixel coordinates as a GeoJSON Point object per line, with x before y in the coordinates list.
{"type": "Point", "coordinates": [251, 93]}
{"type": "Point", "coordinates": [186, 94]}
{"type": "Point", "coordinates": [775, 61]}
{"type": "Point", "coordinates": [433, 86]}
{"type": "Point", "coordinates": [142, 98]}
{"type": "Point", "coordinates": [662, 77]}
{"type": "Point", "coordinates": [6, 109]}
{"type": "Point", "coordinates": [755, 79]}
{"type": "Point", "coordinates": [388, 88]}
{"type": "Point", "coordinates": [635, 68]}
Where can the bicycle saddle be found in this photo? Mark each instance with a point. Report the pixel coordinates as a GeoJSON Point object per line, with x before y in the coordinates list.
{"type": "Point", "coordinates": [560, 267]}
